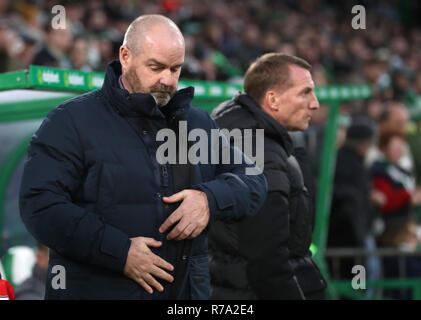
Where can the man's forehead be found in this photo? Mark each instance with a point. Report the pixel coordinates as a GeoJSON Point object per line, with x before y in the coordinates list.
{"type": "Point", "coordinates": [163, 39]}
{"type": "Point", "coordinates": [300, 76]}
{"type": "Point", "coordinates": [162, 49]}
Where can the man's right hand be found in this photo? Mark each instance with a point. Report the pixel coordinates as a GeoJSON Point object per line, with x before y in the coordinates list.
{"type": "Point", "coordinates": [142, 264]}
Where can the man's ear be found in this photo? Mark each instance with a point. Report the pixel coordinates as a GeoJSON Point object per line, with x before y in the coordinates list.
{"type": "Point", "coordinates": [125, 56]}
{"type": "Point", "coordinates": [271, 100]}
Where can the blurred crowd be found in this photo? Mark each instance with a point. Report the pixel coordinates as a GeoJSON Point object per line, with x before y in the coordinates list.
{"type": "Point", "coordinates": [223, 37]}
{"type": "Point", "coordinates": [377, 188]}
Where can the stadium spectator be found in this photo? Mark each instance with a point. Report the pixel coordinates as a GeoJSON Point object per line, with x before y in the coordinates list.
{"type": "Point", "coordinates": [414, 143]}
{"type": "Point", "coordinates": [234, 29]}
{"type": "Point", "coordinates": [33, 288]}
{"type": "Point", "coordinates": [79, 55]}
{"type": "Point", "coordinates": [414, 134]}
{"type": "Point", "coordinates": [395, 183]}
{"type": "Point", "coordinates": [6, 290]}
{"type": "Point", "coordinates": [351, 214]}
{"type": "Point", "coordinates": [394, 120]}
{"type": "Point", "coordinates": [17, 49]}
{"type": "Point", "coordinates": [54, 53]}
{"type": "Point", "coordinates": [404, 237]}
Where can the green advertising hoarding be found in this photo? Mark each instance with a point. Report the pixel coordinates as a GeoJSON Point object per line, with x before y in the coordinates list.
{"type": "Point", "coordinates": [47, 78]}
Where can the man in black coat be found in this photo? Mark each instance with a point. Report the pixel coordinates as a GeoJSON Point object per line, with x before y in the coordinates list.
{"type": "Point", "coordinates": [120, 221]}
{"type": "Point", "coordinates": [267, 256]}
{"type": "Point", "coordinates": [351, 210]}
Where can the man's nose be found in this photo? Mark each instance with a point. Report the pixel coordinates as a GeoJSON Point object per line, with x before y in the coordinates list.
{"type": "Point", "coordinates": [314, 103]}
{"type": "Point", "coordinates": [166, 78]}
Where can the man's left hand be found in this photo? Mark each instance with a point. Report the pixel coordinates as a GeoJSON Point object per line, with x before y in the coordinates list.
{"type": "Point", "coordinates": [192, 215]}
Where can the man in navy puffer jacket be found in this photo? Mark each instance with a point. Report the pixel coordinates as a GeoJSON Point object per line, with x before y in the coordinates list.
{"type": "Point", "coordinates": [123, 224]}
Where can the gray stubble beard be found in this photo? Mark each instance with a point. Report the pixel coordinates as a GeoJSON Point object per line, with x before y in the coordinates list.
{"type": "Point", "coordinates": [161, 98]}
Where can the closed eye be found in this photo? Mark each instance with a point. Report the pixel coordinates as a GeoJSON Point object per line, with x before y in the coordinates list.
{"type": "Point", "coordinates": [306, 91]}
{"type": "Point", "coordinates": [175, 69]}
{"type": "Point", "coordinates": [156, 68]}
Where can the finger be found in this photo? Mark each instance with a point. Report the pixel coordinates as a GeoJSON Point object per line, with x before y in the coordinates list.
{"type": "Point", "coordinates": [152, 282]}
{"type": "Point", "coordinates": [145, 285]}
{"type": "Point", "coordinates": [186, 233]}
{"type": "Point", "coordinates": [173, 218]}
{"type": "Point", "coordinates": [176, 197]}
{"type": "Point", "coordinates": [178, 229]}
{"type": "Point", "coordinates": [158, 261]}
{"type": "Point", "coordinates": [195, 233]}
{"type": "Point", "coordinates": [151, 242]}
{"type": "Point", "coordinates": [158, 272]}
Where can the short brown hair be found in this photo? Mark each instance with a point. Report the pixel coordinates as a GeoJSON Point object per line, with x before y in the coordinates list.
{"type": "Point", "coordinates": [385, 138]}
{"type": "Point", "coordinates": [268, 71]}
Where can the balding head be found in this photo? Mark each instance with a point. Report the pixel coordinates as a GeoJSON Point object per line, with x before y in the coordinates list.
{"type": "Point", "coordinates": [395, 119]}
{"type": "Point", "coordinates": [145, 27]}
{"type": "Point", "coordinates": [151, 57]}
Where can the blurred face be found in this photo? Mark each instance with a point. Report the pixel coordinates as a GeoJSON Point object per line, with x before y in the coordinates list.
{"type": "Point", "coordinates": [156, 68]}
{"type": "Point", "coordinates": [374, 109]}
{"type": "Point", "coordinates": [293, 107]}
{"type": "Point", "coordinates": [418, 84]}
{"type": "Point", "coordinates": [98, 20]}
{"type": "Point", "coordinates": [78, 54]}
{"type": "Point", "coordinates": [42, 258]}
{"type": "Point", "coordinates": [395, 150]}
{"type": "Point", "coordinates": [372, 72]}
{"type": "Point", "coordinates": [340, 137]}
{"type": "Point", "coordinates": [398, 121]}
{"type": "Point", "coordinates": [61, 39]}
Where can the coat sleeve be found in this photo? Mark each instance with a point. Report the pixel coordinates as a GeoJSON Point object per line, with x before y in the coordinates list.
{"type": "Point", "coordinates": [237, 191]}
{"type": "Point", "coordinates": [53, 172]}
{"type": "Point", "coordinates": [264, 241]}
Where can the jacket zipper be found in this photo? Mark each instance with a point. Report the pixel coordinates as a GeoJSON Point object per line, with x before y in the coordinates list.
{"type": "Point", "coordinates": [165, 176]}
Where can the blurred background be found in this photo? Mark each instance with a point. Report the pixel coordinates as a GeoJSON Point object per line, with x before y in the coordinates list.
{"type": "Point", "coordinates": [373, 217]}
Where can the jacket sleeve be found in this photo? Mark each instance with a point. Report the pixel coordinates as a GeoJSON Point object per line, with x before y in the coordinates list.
{"type": "Point", "coordinates": [264, 241]}
{"type": "Point", "coordinates": [52, 174]}
{"type": "Point", "coordinates": [239, 188]}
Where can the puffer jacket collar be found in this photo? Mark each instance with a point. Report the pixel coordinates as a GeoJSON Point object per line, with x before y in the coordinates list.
{"type": "Point", "coordinates": [140, 104]}
{"type": "Point", "coordinates": [260, 120]}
